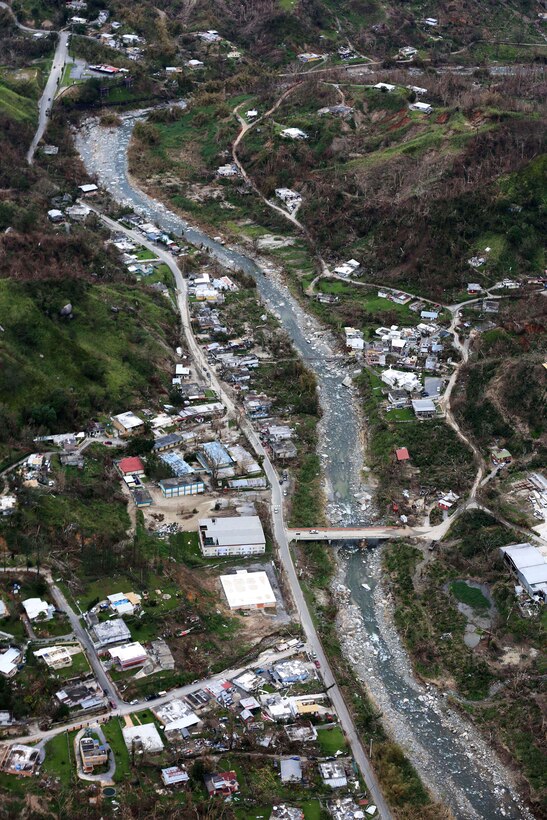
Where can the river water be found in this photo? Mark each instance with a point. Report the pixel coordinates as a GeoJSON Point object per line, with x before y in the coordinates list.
{"type": "Point", "coordinates": [432, 736]}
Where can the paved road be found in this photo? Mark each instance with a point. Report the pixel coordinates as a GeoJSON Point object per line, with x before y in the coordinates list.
{"type": "Point", "coordinates": [280, 533]}
{"type": "Point", "coordinates": [46, 100]}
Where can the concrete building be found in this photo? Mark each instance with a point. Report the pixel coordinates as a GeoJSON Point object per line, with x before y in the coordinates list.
{"type": "Point", "coordinates": [109, 632]}
{"type": "Point", "coordinates": [9, 658]}
{"type": "Point", "coordinates": [223, 784]}
{"type": "Point", "coordinates": [176, 715]}
{"type": "Point", "coordinates": [92, 753]}
{"type": "Point", "coordinates": [241, 535]}
{"type": "Point", "coordinates": [333, 774]}
{"type": "Point", "coordinates": [36, 608]}
{"type": "Point", "coordinates": [184, 485]}
{"type": "Point", "coordinates": [291, 770]}
{"type": "Point", "coordinates": [56, 657]}
{"type": "Point", "coordinates": [142, 738]}
{"type": "Point", "coordinates": [124, 603]}
{"type": "Point", "coordinates": [291, 671]}
{"type": "Point", "coordinates": [131, 466]}
{"type": "Point", "coordinates": [128, 424]}
{"type": "Point", "coordinates": [424, 408]}
{"type": "Point", "coordinates": [129, 656]}
{"type": "Point", "coordinates": [21, 760]}
{"type": "Point", "coordinates": [248, 590]}
{"type": "Point", "coordinates": [529, 566]}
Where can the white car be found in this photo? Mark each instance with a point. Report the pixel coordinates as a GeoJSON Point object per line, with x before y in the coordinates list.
{"type": "Point", "coordinates": [276, 509]}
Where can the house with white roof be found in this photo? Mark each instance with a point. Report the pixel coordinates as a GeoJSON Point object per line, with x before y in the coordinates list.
{"type": "Point", "coordinates": [294, 134]}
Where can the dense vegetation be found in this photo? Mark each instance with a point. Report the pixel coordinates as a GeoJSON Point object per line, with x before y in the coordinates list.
{"type": "Point", "coordinates": [432, 628]}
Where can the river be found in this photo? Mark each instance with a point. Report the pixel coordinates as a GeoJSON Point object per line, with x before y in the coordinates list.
{"type": "Point", "coordinates": [432, 736]}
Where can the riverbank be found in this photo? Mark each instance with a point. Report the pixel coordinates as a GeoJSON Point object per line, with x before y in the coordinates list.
{"type": "Point", "coordinates": [451, 757]}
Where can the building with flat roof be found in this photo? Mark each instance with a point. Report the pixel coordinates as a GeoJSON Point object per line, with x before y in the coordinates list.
{"type": "Point", "coordinates": [176, 716]}
{"type": "Point", "coordinates": [333, 774]}
{"type": "Point", "coordinates": [142, 738]}
{"type": "Point", "coordinates": [92, 753]}
{"type": "Point", "coordinates": [109, 632]}
{"type": "Point", "coordinates": [248, 590]}
{"type": "Point", "coordinates": [237, 535]}
{"type": "Point", "coordinates": [424, 408]}
{"type": "Point", "coordinates": [291, 770]}
{"type": "Point", "coordinates": [124, 603]}
{"type": "Point", "coordinates": [56, 657]}
{"type": "Point", "coordinates": [129, 655]}
{"type": "Point", "coordinates": [530, 567]}
{"type": "Point", "coordinates": [290, 672]}
{"type": "Point", "coordinates": [21, 760]}
{"type": "Point", "coordinates": [183, 485]}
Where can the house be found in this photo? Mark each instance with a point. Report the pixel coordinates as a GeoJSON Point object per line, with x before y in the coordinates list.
{"type": "Point", "coordinates": [195, 64]}
{"type": "Point", "coordinates": [90, 189]}
{"type": "Point", "coordinates": [248, 590]}
{"type": "Point", "coordinates": [9, 659]}
{"type": "Point", "coordinates": [408, 51]}
{"type": "Point", "coordinates": [128, 424]}
{"type": "Point", "coordinates": [176, 462]}
{"type": "Point", "coordinates": [291, 770]}
{"type": "Point", "coordinates": [291, 671]}
{"type": "Point", "coordinates": [294, 134]}
{"type": "Point", "coordinates": [473, 288]}
{"type": "Point", "coordinates": [141, 497]}
{"type": "Point", "coordinates": [347, 268]}
{"type": "Point", "coordinates": [424, 408]}
{"type": "Point", "coordinates": [336, 110]}
{"type": "Point", "coordinates": [501, 456]}
{"type": "Point", "coordinates": [398, 398]}
{"type": "Point", "coordinates": [251, 114]}
{"type": "Point", "coordinates": [401, 380]}
{"type": "Point", "coordinates": [283, 449]}
{"type": "Point", "coordinates": [21, 760]}
{"type": "Point", "coordinates": [4, 611]}
{"type": "Point", "coordinates": [36, 608]}
{"type": "Point", "coordinates": [247, 681]}
{"type": "Point", "coordinates": [131, 466]}
{"type": "Point", "coordinates": [55, 215]}
{"type": "Point", "coordinates": [183, 485]}
{"type": "Point", "coordinates": [210, 36]}
{"type": "Point", "coordinates": [176, 715]}
{"type": "Point", "coordinates": [309, 57]}
{"type": "Point", "coordinates": [333, 774]}
{"type": "Point", "coordinates": [129, 655]}
{"type": "Point", "coordinates": [385, 87]}
{"type": "Point", "coordinates": [229, 170]}
{"type": "Point", "coordinates": [142, 738]}
{"type": "Point", "coordinates": [167, 442]}
{"type": "Point", "coordinates": [423, 108]}
{"type": "Point", "coordinates": [431, 21]}
{"type": "Point", "coordinates": [241, 535]}
{"type": "Point", "coordinates": [8, 504]}
{"type": "Point", "coordinates": [109, 632]}
{"type": "Point", "coordinates": [182, 371]}
{"type": "Point", "coordinates": [402, 454]}
{"type": "Point", "coordinates": [92, 753]}
{"type": "Point", "coordinates": [56, 657]}
{"type": "Point", "coordinates": [223, 784]}
{"type": "Point", "coordinates": [530, 567]}
{"type": "Point", "coordinates": [174, 776]}
{"type": "Point", "coordinates": [447, 501]}
{"type": "Point", "coordinates": [354, 338]}
{"type": "Point", "coordinates": [85, 696]}
{"type": "Point", "coordinates": [292, 199]}
{"type": "Point", "coordinates": [124, 603]}
{"type": "Point", "coordinates": [215, 459]}
{"type": "Point", "coordinates": [429, 314]}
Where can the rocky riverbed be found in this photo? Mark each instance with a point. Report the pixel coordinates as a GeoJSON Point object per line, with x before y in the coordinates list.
{"type": "Point", "coordinates": [449, 754]}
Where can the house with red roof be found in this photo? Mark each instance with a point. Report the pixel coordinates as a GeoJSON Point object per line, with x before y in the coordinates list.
{"type": "Point", "coordinates": [132, 465]}
{"type": "Point", "coordinates": [223, 784]}
{"type": "Point", "coordinates": [402, 454]}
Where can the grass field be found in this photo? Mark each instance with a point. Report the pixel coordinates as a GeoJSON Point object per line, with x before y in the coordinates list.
{"type": "Point", "coordinates": [113, 734]}
{"type": "Point", "coordinates": [59, 760]}
{"type": "Point", "coordinates": [16, 106]}
{"type": "Point", "coordinates": [331, 741]}
{"type": "Point", "coordinates": [469, 595]}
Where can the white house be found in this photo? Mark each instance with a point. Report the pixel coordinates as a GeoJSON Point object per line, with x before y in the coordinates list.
{"type": "Point", "coordinates": [237, 535]}
{"type": "Point", "coordinates": [423, 108]}
{"type": "Point", "coordinates": [36, 608]}
{"type": "Point", "coordinates": [294, 134]}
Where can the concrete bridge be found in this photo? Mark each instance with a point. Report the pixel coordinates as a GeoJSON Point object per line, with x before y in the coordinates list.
{"type": "Point", "coordinates": [351, 533]}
